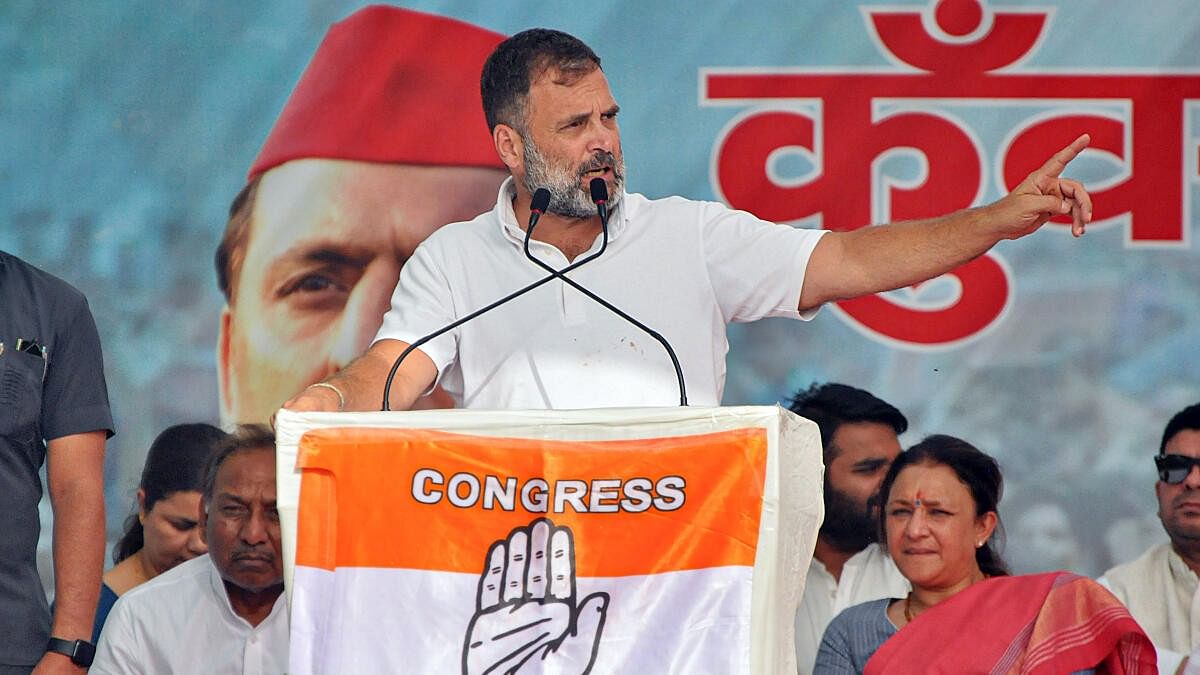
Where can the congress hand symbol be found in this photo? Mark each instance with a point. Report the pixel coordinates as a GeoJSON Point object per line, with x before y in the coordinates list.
{"type": "Point", "coordinates": [526, 617]}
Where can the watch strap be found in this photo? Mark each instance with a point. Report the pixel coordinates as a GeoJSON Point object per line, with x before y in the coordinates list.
{"type": "Point", "coordinates": [81, 652]}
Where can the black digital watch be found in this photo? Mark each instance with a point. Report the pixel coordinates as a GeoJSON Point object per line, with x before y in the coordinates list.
{"type": "Point", "coordinates": [81, 651]}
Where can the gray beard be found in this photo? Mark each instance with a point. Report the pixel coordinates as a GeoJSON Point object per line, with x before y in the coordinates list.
{"type": "Point", "coordinates": [568, 198]}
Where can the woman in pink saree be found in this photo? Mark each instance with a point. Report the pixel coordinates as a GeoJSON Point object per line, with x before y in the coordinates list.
{"type": "Point", "coordinates": [965, 614]}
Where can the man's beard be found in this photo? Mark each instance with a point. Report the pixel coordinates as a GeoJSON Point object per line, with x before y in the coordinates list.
{"type": "Point", "coordinates": [848, 526]}
{"type": "Point", "coordinates": [568, 196]}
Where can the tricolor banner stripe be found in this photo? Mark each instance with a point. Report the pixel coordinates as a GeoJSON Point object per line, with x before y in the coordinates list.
{"type": "Point", "coordinates": [605, 541]}
{"type": "Point", "coordinates": [642, 506]}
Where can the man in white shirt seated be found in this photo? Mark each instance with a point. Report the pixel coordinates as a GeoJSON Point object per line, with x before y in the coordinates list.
{"type": "Point", "coordinates": [221, 613]}
{"type": "Point", "coordinates": [1161, 588]}
{"type": "Point", "coordinates": [859, 436]}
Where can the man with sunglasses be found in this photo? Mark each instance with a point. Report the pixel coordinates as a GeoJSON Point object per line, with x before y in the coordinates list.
{"type": "Point", "coordinates": [1162, 587]}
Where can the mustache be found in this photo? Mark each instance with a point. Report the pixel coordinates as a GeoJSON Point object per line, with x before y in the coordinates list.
{"type": "Point", "coordinates": [262, 553]}
{"type": "Point", "coordinates": [600, 160]}
{"type": "Point", "coordinates": [1189, 495]}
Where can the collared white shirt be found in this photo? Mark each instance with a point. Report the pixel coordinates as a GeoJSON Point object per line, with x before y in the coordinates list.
{"type": "Point", "coordinates": [181, 622]}
{"type": "Point", "coordinates": [684, 268]}
{"type": "Point", "coordinates": [868, 575]}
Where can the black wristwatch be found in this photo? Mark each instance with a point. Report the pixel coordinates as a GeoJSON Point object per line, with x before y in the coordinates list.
{"type": "Point", "coordinates": [81, 651]}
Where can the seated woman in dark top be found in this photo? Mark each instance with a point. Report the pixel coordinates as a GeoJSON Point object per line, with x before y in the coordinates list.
{"type": "Point", "coordinates": [965, 614]}
{"type": "Point", "coordinates": [163, 532]}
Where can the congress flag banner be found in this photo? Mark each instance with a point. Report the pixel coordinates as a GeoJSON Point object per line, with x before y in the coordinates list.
{"type": "Point", "coordinates": [548, 542]}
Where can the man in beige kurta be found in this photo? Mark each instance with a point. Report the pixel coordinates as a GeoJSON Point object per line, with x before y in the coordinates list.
{"type": "Point", "coordinates": [1160, 587]}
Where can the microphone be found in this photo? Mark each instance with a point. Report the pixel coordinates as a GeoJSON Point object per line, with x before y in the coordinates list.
{"type": "Point", "coordinates": [599, 190]}
{"type": "Point", "coordinates": [537, 206]}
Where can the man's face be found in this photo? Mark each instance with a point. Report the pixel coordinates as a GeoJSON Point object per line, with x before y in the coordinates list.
{"type": "Point", "coordinates": [241, 523]}
{"type": "Point", "coordinates": [1179, 505]}
{"type": "Point", "coordinates": [572, 138]}
{"type": "Point", "coordinates": [864, 451]}
{"type": "Point", "coordinates": [324, 250]}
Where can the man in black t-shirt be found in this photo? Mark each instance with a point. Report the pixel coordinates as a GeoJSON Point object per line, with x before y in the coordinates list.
{"type": "Point", "coordinates": [53, 408]}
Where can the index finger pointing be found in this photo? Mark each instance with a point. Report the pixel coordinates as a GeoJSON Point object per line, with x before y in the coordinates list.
{"type": "Point", "coordinates": [1055, 165]}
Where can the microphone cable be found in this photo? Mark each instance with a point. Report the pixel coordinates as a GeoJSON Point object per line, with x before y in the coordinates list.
{"type": "Point", "coordinates": [599, 192]}
{"type": "Point", "coordinates": [541, 199]}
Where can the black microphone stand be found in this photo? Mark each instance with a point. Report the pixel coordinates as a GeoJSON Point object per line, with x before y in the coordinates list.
{"type": "Point", "coordinates": [600, 196]}
{"type": "Point", "coordinates": [535, 213]}
{"type": "Point", "coordinates": [541, 198]}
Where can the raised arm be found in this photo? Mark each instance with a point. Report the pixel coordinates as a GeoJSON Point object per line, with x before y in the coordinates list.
{"type": "Point", "coordinates": [882, 258]}
{"type": "Point", "coordinates": [359, 386]}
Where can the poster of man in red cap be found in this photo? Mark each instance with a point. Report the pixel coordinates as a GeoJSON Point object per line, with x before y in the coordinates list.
{"type": "Point", "coordinates": [381, 142]}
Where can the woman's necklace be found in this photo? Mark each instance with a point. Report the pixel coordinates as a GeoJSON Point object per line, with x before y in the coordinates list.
{"type": "Point", "coordinates": [908, 602]}
{"type": "Point", "coordinates": [908, 613]}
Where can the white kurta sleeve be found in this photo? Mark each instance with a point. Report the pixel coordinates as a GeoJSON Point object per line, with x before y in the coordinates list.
{"type": "Point", "coordinates": [118, 651]}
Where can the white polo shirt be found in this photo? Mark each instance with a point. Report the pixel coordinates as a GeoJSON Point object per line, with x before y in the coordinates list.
{"type": "Point", "coordinates": [181, 622]}
{"type": "Point", "coordinates": [684, 268]}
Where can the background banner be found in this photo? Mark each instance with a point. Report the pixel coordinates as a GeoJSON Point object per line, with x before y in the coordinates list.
{"type": "Point", "coordinates": [128, 129]}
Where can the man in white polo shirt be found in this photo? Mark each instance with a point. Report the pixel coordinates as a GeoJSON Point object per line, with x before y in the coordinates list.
{"type": "Point", "coordinates": [222, 613]}
{"type": "Point", "coordinates": [683, 267]}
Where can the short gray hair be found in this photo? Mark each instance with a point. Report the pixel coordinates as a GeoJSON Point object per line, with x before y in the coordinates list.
{"type": "Point", "coordinates": [245, 438]}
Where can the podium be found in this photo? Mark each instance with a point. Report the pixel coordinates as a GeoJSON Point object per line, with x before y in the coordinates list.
{"type": "Point", "coordinates": [651, 540]}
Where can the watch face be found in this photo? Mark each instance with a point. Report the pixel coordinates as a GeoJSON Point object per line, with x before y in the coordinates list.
{"type": "Point", "coordinates": [84, 653]}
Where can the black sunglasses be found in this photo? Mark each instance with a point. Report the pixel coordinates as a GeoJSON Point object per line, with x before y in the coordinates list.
{"type": "Point", "coordinates": [1174, 469]}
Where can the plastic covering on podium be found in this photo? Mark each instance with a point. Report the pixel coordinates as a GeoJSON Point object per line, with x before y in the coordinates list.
{"type": "Point", "coordinates": [649, 540]}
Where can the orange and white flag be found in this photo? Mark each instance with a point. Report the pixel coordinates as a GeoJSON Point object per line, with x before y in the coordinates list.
{"type": "Point", "coordinates": [421, 551]}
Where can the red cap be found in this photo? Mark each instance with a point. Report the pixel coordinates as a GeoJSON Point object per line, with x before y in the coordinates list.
{"type": "Point", "coordinates": [389, 85]}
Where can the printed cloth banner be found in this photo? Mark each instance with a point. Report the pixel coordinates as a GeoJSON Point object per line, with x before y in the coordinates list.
{"type": "Point", "coordinates": [598, 543]}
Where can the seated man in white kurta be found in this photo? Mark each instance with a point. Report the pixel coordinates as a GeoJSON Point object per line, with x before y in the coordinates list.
{"type": "Point", "coordinates": [222, 613]}
{"type": "Point", "coordinates": [1161, 588]}
{"type": "Point", "coordinates": [685, 268]}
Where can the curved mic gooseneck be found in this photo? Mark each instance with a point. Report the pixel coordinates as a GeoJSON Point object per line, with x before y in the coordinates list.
{"type": "Point", "coordinates": [537, 206]}
{"type": "Point", "coordinates": [541, 199]}
{"type": "Point", "coordinates": [599, 191]}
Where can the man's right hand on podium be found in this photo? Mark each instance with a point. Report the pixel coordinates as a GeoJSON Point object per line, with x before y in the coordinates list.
{"type": "Point", "coordinates": [359, 386]}
{"type": "Point", "coordinates": [318, 397]}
